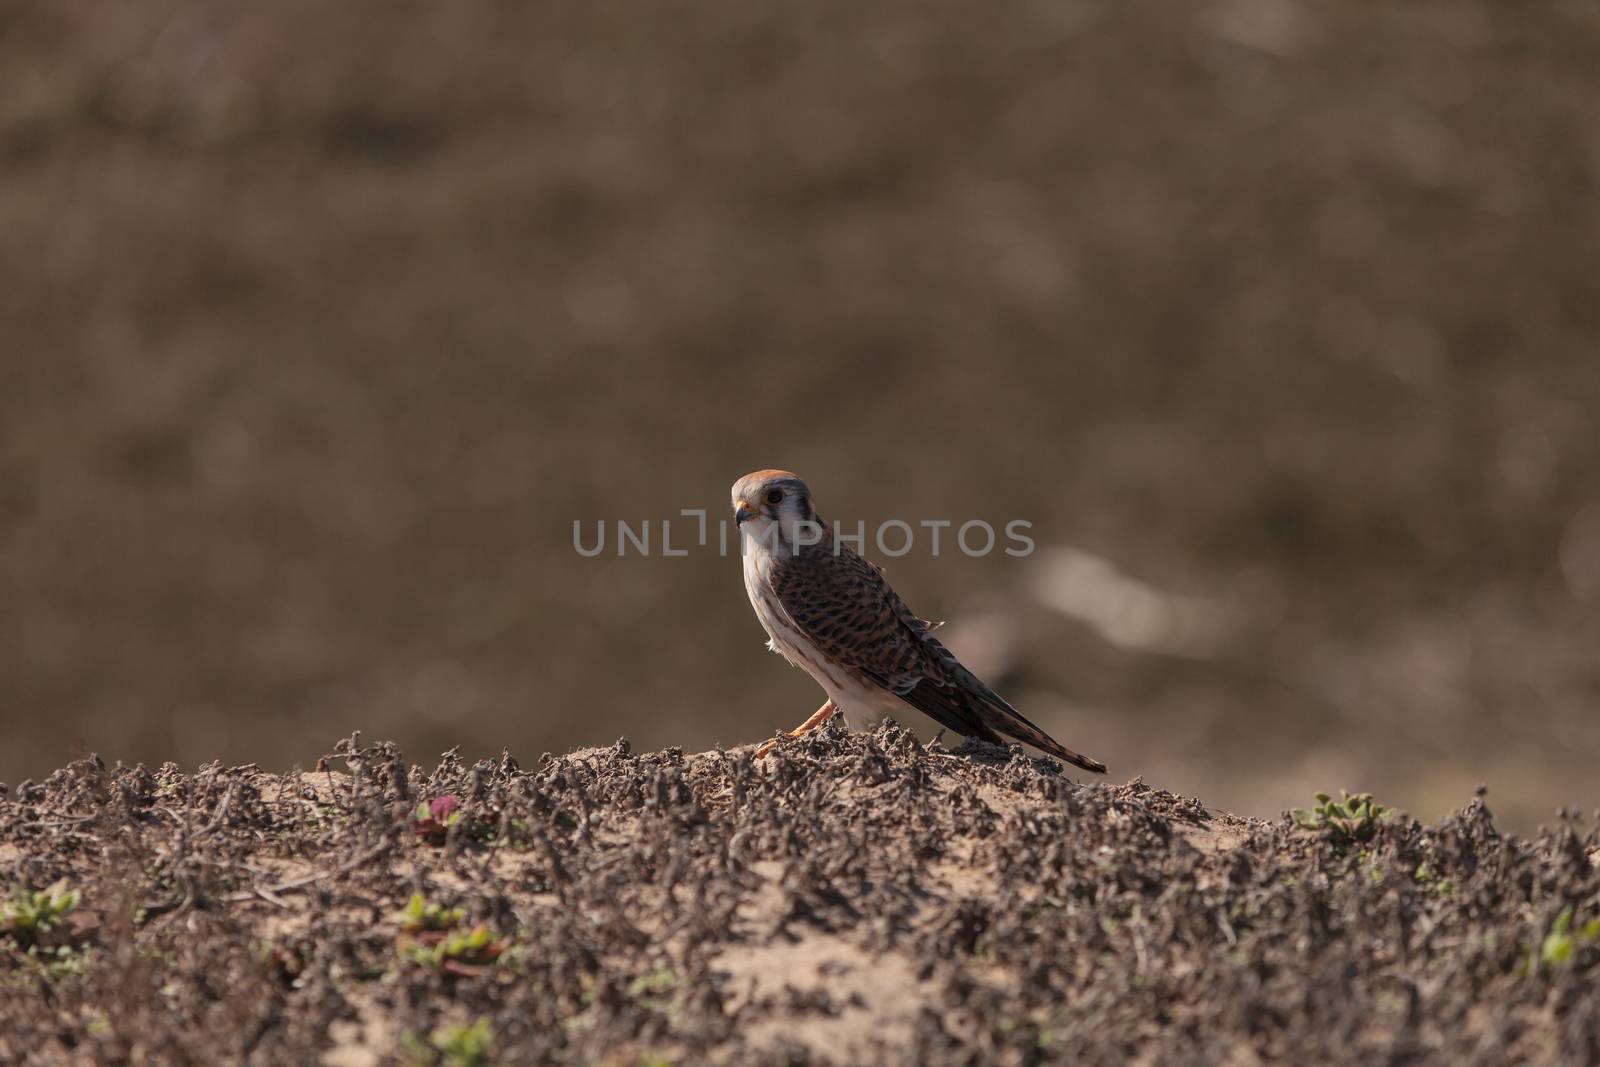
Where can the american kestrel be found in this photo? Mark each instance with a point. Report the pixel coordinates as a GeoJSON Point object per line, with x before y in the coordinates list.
{"type": "Point", "coordinates": [830, 612]}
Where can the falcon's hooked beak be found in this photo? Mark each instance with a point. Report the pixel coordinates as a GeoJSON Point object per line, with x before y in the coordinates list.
{"type": "Point", "coordinates": [742, 512]}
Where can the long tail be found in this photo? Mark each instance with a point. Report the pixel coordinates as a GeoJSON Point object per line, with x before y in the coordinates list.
{"type": "Point", "coordinates": [1039, 739]}
{"type": "Point", "coordinates": [961, 702]}
{"type": "Point", "coordinates": [1007, 720]}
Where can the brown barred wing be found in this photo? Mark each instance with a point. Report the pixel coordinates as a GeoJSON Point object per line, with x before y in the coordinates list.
{"type": "Point", "coordinates": [842, 603]}
{"type": "Point", "coordinates": [849, 611]}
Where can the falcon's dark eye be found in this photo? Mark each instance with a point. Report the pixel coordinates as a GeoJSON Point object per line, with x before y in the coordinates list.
{"type": "Point", "coordinates": [774, 495]}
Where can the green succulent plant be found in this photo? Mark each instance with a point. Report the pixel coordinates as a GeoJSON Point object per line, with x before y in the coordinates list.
{"type": "Point", "coordinates": [432, 935]}
{"type": "Point", "coordinates": [452, 1046]}
{"type": "Point", "coordinates": [1562, 942]}
{"type": "Point", "coordinates": [31, 913]}
{"type": "Point", "coordinates": [421, 914]}
{"type": "Point", "coordinates": [1353, 817]}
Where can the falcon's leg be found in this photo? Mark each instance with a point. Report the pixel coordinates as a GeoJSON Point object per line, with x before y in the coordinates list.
{"type": "Point", "coordinates": [828, 710]}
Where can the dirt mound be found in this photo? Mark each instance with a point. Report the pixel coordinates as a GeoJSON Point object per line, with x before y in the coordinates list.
{"type": "Point", "coordinates": [857, 898]}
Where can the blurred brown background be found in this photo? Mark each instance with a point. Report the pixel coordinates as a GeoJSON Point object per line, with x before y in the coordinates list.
{"type": "Point", "coordinates": [322, 323]}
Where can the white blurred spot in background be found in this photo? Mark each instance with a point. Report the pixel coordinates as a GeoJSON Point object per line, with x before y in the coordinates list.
{"type": "Point", "coordinates": [1580, 554]}
{"type": "Point", "coordinates": [1127, 612]}
{"type": "Point", "coordinates": [1274, 27]}
{"type": "Point", "coordinates": [989, 642]}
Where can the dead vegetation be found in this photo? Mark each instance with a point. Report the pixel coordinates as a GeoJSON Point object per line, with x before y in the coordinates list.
{"type": "Point", "coordinates": [858, 898]}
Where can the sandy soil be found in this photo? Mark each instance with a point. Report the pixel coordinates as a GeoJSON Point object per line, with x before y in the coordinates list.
{"type": "Point", "coordinates": [858, 898]}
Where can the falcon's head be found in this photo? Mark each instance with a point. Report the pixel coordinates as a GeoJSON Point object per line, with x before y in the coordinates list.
{"type": "Point", "coordinates": [772, 498]}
